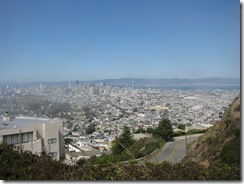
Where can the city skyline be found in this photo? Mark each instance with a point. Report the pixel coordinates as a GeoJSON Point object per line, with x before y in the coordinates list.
{"type": "Point", "coordinates": [91, 40]}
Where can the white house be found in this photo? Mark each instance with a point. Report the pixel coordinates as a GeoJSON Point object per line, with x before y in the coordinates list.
{"type": "Point", "coordinates": [37, 135]}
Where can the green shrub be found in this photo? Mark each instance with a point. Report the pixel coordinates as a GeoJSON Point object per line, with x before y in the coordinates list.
{"type": "Point", "coordinates": [181, 126]}
{"type": "Point", "coordinates": [231, 152]}
{"type": "Point", "coordinates": [21, 165]}
{"type": "Point", "coordinates": [139, 149]}
{"type": "Point", "coordinates": [209, 140]}
{"type": "Point", "coordinates": [227, 122]}
{"type": "Point", "coordinates": [237, 108]}
{"type": "Point", "coordinates": [81, 162]}
{"type": "Point", "coordinates": [196, 131]}
{"type": "Point", "coordinates": [178, 133]}
{"type": "Point", "coordinates": [68, 140]}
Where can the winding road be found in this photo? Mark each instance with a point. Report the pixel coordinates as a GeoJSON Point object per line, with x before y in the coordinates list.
{"type": "Point", "coordinates": [173, 151]}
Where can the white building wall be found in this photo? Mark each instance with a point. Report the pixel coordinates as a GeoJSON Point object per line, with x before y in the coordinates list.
{"type": "Point", "coordinates": [51, 133]}
{"type": "Point", "coordinates": [41, 134]}
{"type": "Point", "coordinates": [34, 146]}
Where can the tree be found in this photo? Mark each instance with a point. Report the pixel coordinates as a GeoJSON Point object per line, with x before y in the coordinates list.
{"type": "Point", "coordinates": [123, 142]}
{"type": "Point", "coordinates": [68, 140]}
{"type": "Point", "coordinates": [150, 130]}
{"type": "Point", "coordinates": [164, 129]}
{"type": "Point", "coordinates": [90, 129]}
{"type": "Point", "coordinates": [81, 162]}
{"type": "Point", "coordinates": [181, 126]}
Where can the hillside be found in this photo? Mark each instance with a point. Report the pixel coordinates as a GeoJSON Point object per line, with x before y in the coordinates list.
{"type": "Point", "coordinates": [221, 143]}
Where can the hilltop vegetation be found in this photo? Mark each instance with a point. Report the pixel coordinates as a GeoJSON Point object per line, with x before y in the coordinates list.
{"type": "Point", "coordinates": [216, 156]}
{"type": "Point", "coordinates": [221, 143]}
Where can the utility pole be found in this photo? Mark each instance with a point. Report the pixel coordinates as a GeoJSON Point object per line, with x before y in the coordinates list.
{"type": "Point", "coordinates": [186, 139]}
{"type": "Point", "coordinates": [20, 138]}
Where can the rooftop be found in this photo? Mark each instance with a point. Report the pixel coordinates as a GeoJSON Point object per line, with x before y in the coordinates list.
{"type": "Point", "coordinates": [23, 122]}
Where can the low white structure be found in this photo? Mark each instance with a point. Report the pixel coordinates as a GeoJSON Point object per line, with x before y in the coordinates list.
{"type": "Point", "coordinates": [141, 136]}
{"type": "Point", "coordinates": [37, 135]}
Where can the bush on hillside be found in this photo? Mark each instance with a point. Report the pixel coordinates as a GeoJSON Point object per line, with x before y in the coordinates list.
{"type": "Point", "coordinates": [35, 167]}
{"type": "Point", "coordinates": [139, 149]}
{"type": "Point", "coordinates": [196, 131]}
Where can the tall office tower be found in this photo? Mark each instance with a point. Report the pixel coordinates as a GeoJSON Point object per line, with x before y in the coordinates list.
{"type": "Point", "coordinates": [69, 85]}
{"type": "Point", "coordinates": [91, 91]}
{"type": "Point", "coordinates": [132, 85]}
{"type": "Point", "coordinates": [41, 89]}
{"type": "Point", "coordinates": [77, 86]}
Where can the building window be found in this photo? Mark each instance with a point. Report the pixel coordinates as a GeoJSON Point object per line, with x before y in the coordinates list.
{"type": "Point", "coordinates": [11, 139]}
{"type": "Point", "coordinates": [27, 137]}
{"type": "Point", "coordinates": [52, 141]}
{"type": "Point", "coordinates": [53, 154]}
{"type": "Point", "coordinates": [17, 138]}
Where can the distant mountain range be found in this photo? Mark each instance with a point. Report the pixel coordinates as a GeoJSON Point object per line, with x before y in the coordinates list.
{"type": "Point", "coordinates": [174, 83]}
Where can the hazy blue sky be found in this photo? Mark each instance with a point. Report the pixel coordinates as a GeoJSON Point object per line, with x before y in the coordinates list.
{"type": "Point", "coordinates": [57, 40]}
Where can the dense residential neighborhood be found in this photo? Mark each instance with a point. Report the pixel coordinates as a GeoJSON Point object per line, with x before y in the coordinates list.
{"type": "Point", "coordinates": [94, 114]}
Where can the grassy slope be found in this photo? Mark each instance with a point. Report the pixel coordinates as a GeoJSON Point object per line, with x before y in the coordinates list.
{"type": "Point", "coordinates": [221, 143]}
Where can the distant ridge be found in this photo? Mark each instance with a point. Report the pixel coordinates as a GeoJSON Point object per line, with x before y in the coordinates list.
{"type": "Point", "coordinates": [170, 83]}
{"type": "Point", "coordinates": [214, 80]}
{"type": "Point", "coordinates": [203, 83]}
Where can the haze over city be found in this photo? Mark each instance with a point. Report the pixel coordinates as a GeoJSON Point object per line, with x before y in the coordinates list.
{"type": "Point", "coordinates": [120, 90]}
{"type": "Point", "coordinates": [102, 39]}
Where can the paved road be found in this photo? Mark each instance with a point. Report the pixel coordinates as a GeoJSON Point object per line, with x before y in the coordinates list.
{"type": "Point", "coordinates": [173, 151]}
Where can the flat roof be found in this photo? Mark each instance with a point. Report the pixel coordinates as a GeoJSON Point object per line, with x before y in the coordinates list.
{"type": "Point", "coordinates": [23, 122]}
